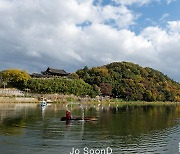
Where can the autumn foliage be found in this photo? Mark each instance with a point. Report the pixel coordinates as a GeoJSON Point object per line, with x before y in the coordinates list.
{"type": "Point", "coordinates": [15, 78]}
{"type": "Point", "coordinates": [131, 82]}
{"type": "Point", "coordinates": [123, 80]}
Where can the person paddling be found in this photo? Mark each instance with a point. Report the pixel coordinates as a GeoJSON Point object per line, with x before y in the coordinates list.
{"type": "Point", "coordinates": [68, 115]}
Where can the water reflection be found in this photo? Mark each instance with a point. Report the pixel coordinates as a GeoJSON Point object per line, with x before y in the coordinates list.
{"type": "Point", "coordinates": [153, 129]}
{"type": "Point", "coordinates": [43, 109]}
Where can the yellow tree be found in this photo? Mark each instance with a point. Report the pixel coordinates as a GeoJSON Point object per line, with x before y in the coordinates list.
{"type": "Point", "coordinates": [15, 77]}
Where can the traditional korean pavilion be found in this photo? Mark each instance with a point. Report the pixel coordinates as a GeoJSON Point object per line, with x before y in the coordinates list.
{"type": "Point", "coordinates": [55, 72]}
{"type": "Point", "coordinates": [51, 72]}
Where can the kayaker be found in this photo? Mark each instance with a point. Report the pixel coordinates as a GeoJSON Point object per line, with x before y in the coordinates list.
{"type": "Point", "coordinates": [68, 115]}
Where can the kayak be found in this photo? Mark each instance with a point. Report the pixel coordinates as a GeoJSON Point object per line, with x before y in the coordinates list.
{"type": "Point", "coordinates": [78, 118]}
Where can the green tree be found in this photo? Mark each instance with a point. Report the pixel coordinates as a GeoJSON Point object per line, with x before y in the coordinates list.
{"type": "Point", "coordinates": [62, 85]}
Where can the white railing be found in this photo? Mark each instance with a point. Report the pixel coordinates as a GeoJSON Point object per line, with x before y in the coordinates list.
{"type": "Point", "coordinates": [11, 92]}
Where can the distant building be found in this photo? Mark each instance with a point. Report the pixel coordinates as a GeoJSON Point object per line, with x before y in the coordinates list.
{"type": "Point", "coordinates": [50, 72]}
{"type": "Point", "coordinates": [55, 72]}
{"type": "Point", "coordinates": [37, 75]}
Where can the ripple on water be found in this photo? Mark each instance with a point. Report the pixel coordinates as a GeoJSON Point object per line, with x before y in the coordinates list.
{"type": "Point", "coordinates": [45, 133]}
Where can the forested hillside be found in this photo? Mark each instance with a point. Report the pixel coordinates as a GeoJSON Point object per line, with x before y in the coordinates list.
{"type": "Point", "coordinates": [123, 80]}
{"type": "Point", "coordinates": [131, 82]}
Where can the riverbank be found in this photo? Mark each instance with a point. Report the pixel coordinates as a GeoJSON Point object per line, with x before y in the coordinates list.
{"type": "Point", "coordinates": [86, 101]}
{"type": "Point", "coordinates": [18, 100]}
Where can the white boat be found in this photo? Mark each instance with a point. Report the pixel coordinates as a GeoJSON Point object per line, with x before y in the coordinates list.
{"type": "Point", "coordinates": [43, 103]}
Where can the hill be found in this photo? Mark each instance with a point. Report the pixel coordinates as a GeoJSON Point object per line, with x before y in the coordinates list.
{"type": "Point", "coordinates": [130, 81]}
{"type": "Point", "coordinates": [124, 80]}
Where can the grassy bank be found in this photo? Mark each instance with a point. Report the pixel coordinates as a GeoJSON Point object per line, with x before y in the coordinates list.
{"type": "Point", "coordinates": [119, 104]}
{"type": "Point", "coordinates": [18, 100]}
{"type": "Point", "coordinates": [86, 101]}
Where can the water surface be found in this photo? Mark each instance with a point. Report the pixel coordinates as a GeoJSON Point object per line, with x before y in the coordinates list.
{"type": "Point", "coordinates": [26, 128]}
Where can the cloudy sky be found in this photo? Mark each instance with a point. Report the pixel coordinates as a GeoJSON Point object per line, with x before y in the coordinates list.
{"type": "Point", "coordinates": [69, 34]}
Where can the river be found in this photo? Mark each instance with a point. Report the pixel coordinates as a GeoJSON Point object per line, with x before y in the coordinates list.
{"type": "Point", "coordinates": [27, 128]}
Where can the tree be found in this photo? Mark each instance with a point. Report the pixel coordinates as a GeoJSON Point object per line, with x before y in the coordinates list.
{"type": "Point", "coordinates": [106, 89]}
{"type": "Point", "coordinates": [62, 85]}
{"type": "Point", "coordinates": [15, 77]}
{"type": "Point", "coordinates": [132, 82]}
{"type": "Point", "coordinates": [74, 76]}
{"type": "Point", "coordinates": [1, 79]}
{"type": "Point", "coordinates": [148, 95]}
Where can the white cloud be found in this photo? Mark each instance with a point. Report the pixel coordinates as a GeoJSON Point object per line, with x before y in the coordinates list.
{"type": "Point", "coordinates": [174, 26]}
{"type": "Point", "coordinates": [40, 33]}
{"type": "Point", "coordinates": [167, 48]}
{"type": "Point", "coordinates": [164, 16]}
{"type": "Point", "coordinates": [130, 2]}
{"type": "Point", "coordinates": [120, 15]}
